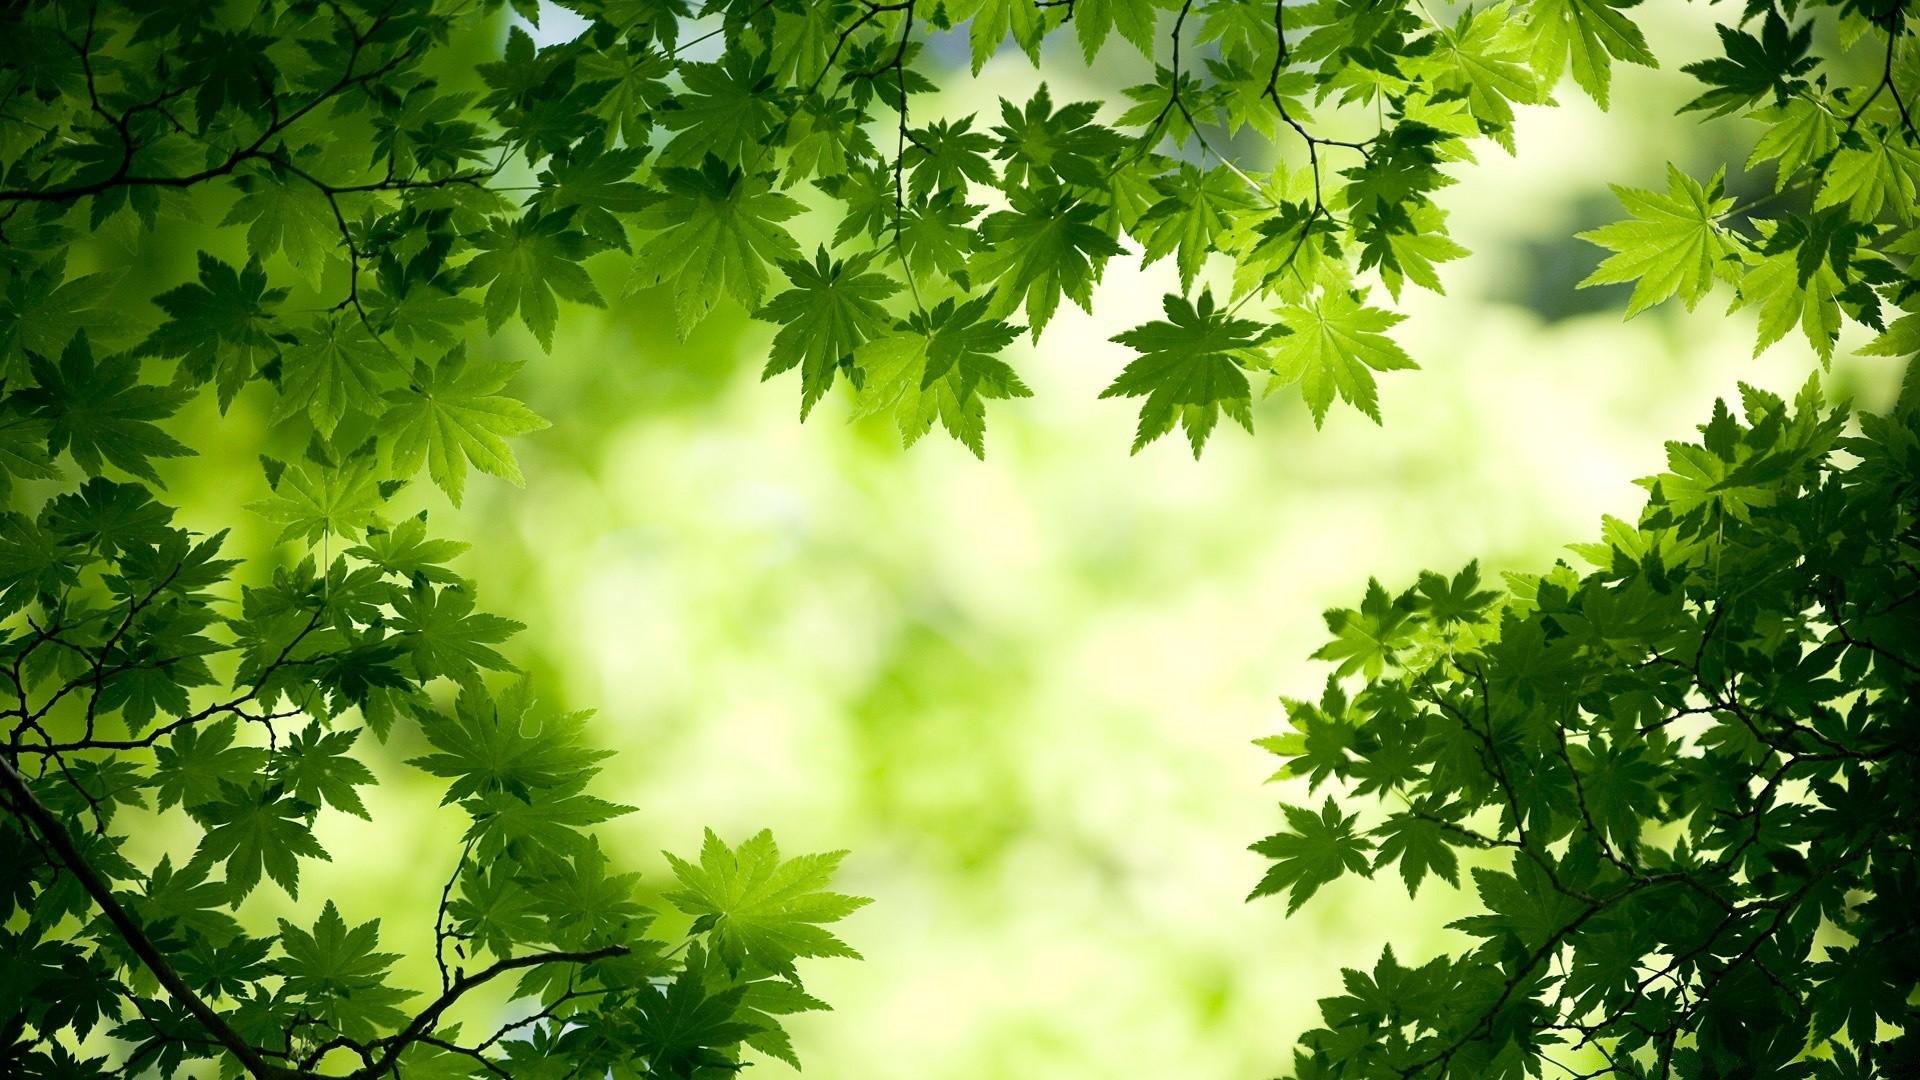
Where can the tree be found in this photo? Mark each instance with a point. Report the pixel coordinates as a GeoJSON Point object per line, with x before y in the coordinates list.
{"type": "Point", "coordinates": [389, 178]}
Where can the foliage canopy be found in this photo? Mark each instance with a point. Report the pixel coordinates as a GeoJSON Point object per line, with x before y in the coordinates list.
{"type": "Point", "coordinates": [1692, 772]}
{"type": "Point", "coordinates": [368, 185]}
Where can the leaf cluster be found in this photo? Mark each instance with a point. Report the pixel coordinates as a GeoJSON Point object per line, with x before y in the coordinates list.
{"type": "Point", "coordinates": [375, 212]}
{"type": "Point", "coordinates": [1681, 783]}
{"type": "Point", "coordinates": [142, 685]}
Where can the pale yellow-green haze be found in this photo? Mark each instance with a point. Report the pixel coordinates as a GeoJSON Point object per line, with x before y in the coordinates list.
{"type": "Point", "coordinates": [1023, 691]}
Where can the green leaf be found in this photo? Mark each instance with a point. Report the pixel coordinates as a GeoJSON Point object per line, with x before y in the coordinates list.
{"type": "Point", "coordinates": [1419, 844]}
{"type": "Point", "coordinates": [1786, 299]}
{"type": "Point", "coordinates": [100, 413]}
{"type": "Point", "coordinates": [336, 369]}
{"type": "Point", "coordinates": [446, 636]}
{"type": "Point", "coordinates": [717, 231]}
{"type": "Point", "coordinates": [1324, 741]}
{"type": "Point", "coordinates": [942, 365]}
{"type": "Point", "coordinates": [220, 327]}
{"type": "Point", "coordinates": [1801, 133]}
{"type": "Point", "coordinates": [1754, 67]}
{"type": "Point", "coordinates": [759, 909]}
{"type": "Point", "coordinates": [451, 414]}
{"type": "Point", "coordinates": [1046, 246]}
{"type": "Point", "coordinates": [525, 262]}
{"type": "Point", "coordinates": [596, 183]}
{"type": "Point", "coordinates": [495, 908]}
{"type": "Point", "coordinates": [314, 765]}
{"type": "Point", "coordinates": [1871, 171]}
{"type": "Point", "coordinates": [540, 829]}
{"type": "Point", "coordinates": [726, 112]}
{"type": "Point", "coordinates": [337, 974]}
{"type": "Point", "coordinates": [833, 308]}
{"type": "Point", "coordinates": [990, 21]}
{"type": "Point", "coordinates": [1189, 370]}
{"type": "Point", "coordinates": [1135, 19]}
{"type": "Point", "coordinates": [40, 312]}
{"type": "Point", "coordinates": [1368, 640]}
{"type": "Point", "coordinates": [1458, 601]}
{"type": "Point", "coordinates": [1590, 33]}
{"type": "Point", "coordinates": [193, 765]}
{"type": "Point", "coordinates": [491, 744]}
{"type": "Point", "coordinates": [682, 1029]}
{"type": "Point", "coordinates": [255, 827]}
{"type": "Point", "coordinates": [285, 213]}
{"type": "Point", "coordinates": [1194, 214]}
{"type": "Point", "coordinates": [1318, 851]}
{"type": "Point", "coordinates": [314, 500]}
{"type": "Point", "coordinates": [1334, 341]}
{"type": "Point", "coordinates": [1674, 244]}
{"type": "Point", "coordinates": [1484, 56]}
{"type": "Point", "coordinates": [406, 552]}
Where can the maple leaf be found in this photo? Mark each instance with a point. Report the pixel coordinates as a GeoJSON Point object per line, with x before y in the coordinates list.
{"type": "Point", "coordinates": [286, 213]}
{"type": "Point", "coordinates": [1319, 850]}
{"type": "Point", "coordinates": [717, 231]}
{"type": "Point", "coordinates": [406, 552]}
{"type": "Point", "coordinates": [525, 262]}
{"type": "Point", "coordinates": [1419, 844]}
{"type": "Point", "coordinates": [1042, 145]}
{"type": "Point", "coordinates": [541, 829]}
{"type": "Point", "coordinates": [1366, 640]}
{"type": "Point", "coordinates": [1134, 19]}
{"type": "Point", "coordinates": [490, 745]}
{"type": "Point", "coordinates": [1189, 370]}
{"type": "Point", "coordinates": [119, 519]}
{"type": "Point", "coordinates": [1194, 212]}
{"type": "Point", "coordinates": [947, 156]}
{"type": "Point", "coordinates": [833, 307]}
{"type": "Point", "coordinates": [1675, 242]}
{"type": "Point", "coordinates": [1523, 903]}
{"type": "Point", "coordinates": [1592, 33]}
{"type": "Point", "coordinates": [936, 237]}
{"type": "Point", "coordinates": [1460, 600]}
{"type": "Point", "coordinates": [941, 365]}
{"type": "Point", "coordinates": [1854, 993]}
{"type": "Point", "coordinates": [990, 21]}
{"type": "Point", "coordinates": [221, 327]}
{"type": "Point", "coordinates": [99, 412]}
{"type": "Point", "coordinates": [681, 1027]}
{"type": "Point", "coordinates": [1485, 55]}
{"type": "Point", "coordinates": [726, 111]}
{"type": "Point", "coordinates": [339, 975]}
{"type": "Point", "coordinates": [1323, 741]}
{"type": "Point", "coordinates": [254, 828]}
{"type": "Point", "coordinates": [451, 414]}
{"type": "Point", "coordinates": [315, 767]}
{"type": "Point", "coordinates": [1046, 246]}
{"type": "Point", "coordinates": [598, 183]}
{"type": "Point", "coordinates": [1869, 171]}
{"type": "Point", "coordinates": [759, 909]}
{"type": "Point", "coordinates": [1801, 132]}
{"type": "Point", "coordinates": [495, 908]}
{"type": "Point", "coordinates": [337, 368]}
{"type": "Point", "coordinates": [446, 636]}
{"type": "Point", "coordinates": [1754, 67]}
{"type": "Point", "coordinates": [1785, 298]}
{"type": "Point", "coordinates": [633, 87]}
{"type": "Point", "coordinates": [40, 312]}
{"type": "Point", "coordinates": [313, 500]}
{"type": "Point", "coordinates": [191, 766]}
{"type": "Point", "coordinates": [1335, 344]}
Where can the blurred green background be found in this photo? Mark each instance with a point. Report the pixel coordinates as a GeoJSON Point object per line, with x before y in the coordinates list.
{"type": "Point", "coordinates": [1023, 691]}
